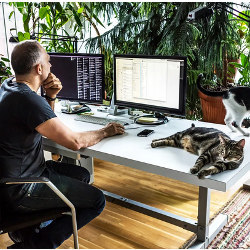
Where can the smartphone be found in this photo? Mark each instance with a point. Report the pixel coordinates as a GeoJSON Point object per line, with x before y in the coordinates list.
{"type": "Point", "coordinates": [145, 132]}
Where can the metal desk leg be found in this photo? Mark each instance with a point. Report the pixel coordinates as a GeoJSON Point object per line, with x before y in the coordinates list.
{"type": "Point", "coordinates": [203, 213]}
{"type": "Point", "coordinates": [85, 161]}
{"type": "Point", "coordinates": [88, 163]}
{"type": "Point", "coordinates": [207, 231]}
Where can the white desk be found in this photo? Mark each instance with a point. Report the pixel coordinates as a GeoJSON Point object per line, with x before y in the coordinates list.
{"type": "Point", "coordinates": [136, 152]}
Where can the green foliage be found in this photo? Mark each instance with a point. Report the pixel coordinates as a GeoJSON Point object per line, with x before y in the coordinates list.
{"type": "Point", "coordinates": [23, 36]}
{"type": "Point", "coordinates": [47, 19]}
{"type": "Point", "coordinates": [155, 28]}
{"type": "Point", "coordinates": [244, 69]}
{"type": "Point", "coordinates": [5, 70]}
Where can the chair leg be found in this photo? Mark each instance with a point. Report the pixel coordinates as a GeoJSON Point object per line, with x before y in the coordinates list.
{"type": "Point", "coordinates": [73, 212]}
{"type": "Point", "coordinates": [75, 233]}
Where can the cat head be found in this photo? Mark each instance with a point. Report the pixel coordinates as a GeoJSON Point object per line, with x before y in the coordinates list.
{"type": "Point", "coordinates": [233, 150]}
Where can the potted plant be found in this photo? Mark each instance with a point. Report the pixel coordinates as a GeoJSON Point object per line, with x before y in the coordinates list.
{"type": "Point", "coordinates": [211, 101]}
{"type": "Point", "coordinates": [5, 70]}
{"type": "Point", "coordinates": [227, 45]}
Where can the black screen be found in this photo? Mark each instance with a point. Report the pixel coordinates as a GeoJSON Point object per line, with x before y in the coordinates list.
{"type": "Point", "coordinates": [81, 75]}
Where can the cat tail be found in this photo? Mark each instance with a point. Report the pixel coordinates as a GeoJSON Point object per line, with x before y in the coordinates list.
{"type": "Point", "coordinates": [223, 93]}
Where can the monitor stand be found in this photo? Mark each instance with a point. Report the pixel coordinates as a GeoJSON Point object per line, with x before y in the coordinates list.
{"type": "Point", "coordinates": [113, 109]}
{"type": "Point", "coordinates": [152, 119]}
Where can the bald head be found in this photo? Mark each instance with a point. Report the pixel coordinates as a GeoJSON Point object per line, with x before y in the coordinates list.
{"type": "Point", "coordinates": [25, 55]}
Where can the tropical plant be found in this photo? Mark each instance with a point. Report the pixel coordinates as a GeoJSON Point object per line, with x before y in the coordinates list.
{"type": "Point", "coordinates": [244, 69]}
{"type": "Point", "coordinates": [46, 21]}
{"type": "Point", "coordinates": [5, 70]}
{"type": "Point", "coordinates": [155, 28]}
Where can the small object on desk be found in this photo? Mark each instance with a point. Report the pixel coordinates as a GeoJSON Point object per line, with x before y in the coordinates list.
{"type": "Point", "coordinates": [145, 132]}
{"type": "Point", "coordinates": [149, 120]}
{"type": "Point", "coordinates": [86, 113]}
{"type": "Point", "coordinates": [98, 120]}
{"type": "Point", "coordinates": [103, 109]}
{"type": "Point", "coordinates": [75, 109]}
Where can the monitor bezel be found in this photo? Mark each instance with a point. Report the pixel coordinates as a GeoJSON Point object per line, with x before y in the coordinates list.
{"type": "Point", "coordinates": [103, 76]}
{"type": "Point", "coordinates": [181, 111]}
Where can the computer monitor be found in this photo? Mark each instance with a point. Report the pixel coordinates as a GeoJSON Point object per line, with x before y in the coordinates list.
{"type": "Point", "coordinates": [156, 83]}
{"type": "Point", "coordinates": [81, 75]}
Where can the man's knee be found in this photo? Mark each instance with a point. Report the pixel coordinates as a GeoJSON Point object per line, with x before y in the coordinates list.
{"type": "Point", "coordinates": [100, 201]}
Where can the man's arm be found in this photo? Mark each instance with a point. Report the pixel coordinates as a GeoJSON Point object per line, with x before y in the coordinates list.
{"type": "Point", "coordinates": [52, 86]}
{"type": "Point", "coordinates": [55, 130]}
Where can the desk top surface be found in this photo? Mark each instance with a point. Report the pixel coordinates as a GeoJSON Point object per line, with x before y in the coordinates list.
{"type": "Point", "coordinates": [134, 151]}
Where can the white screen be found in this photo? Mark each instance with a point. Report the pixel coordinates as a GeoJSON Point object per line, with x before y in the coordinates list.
{"type": "Point", "coordinates": [149, 81]}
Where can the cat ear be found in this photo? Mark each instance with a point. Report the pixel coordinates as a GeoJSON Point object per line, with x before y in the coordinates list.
{"type": "Point", "coordinates": [222, 139]}
{"type": "Point", "coordinates": [241, 143]}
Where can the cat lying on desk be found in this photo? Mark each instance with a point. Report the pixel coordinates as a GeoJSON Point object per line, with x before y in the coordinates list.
{"type": "Point", "coordinates": [212, 146]}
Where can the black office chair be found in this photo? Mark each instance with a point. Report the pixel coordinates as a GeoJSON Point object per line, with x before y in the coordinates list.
{"type": "Point", "coordinates": [10, 222]}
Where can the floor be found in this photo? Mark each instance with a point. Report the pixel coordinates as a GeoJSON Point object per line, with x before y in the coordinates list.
{"type": "Point", "coordinates": [121, 228]}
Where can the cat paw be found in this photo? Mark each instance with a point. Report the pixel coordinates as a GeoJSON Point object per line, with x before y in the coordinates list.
{"type": "Point", "coordinates": [202, 174]}
{"type": "Point", "coordinates": [194, 170]}
{"type": "Point", "coordinates": [153, 145]}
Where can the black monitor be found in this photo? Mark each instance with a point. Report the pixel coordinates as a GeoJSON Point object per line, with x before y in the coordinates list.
{"type": "Point", "coordinates": [82, 76]}
{"type": "Point", "coordinates": [156, 83]}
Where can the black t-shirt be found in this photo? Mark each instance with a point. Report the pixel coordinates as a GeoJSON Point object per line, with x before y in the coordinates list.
{"type": "Point", "coordinates": [21, 111]}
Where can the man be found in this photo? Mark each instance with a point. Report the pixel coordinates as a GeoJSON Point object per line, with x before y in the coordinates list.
{"type": "Point", "coordinates": [25, 117]}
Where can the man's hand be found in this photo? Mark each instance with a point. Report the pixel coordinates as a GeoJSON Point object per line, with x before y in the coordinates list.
{"type": "Point", "coordinates": [52, 85]}
{"type": "Point", "coordinates": [113, 129]}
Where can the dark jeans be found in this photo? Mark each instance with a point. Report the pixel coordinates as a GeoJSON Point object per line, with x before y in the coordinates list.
{"type": "Point", "coordinates": [72, 181]}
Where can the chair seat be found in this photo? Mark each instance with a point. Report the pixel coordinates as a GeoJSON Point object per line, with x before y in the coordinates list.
{"type": "Point", "coordinates": [16, 221]}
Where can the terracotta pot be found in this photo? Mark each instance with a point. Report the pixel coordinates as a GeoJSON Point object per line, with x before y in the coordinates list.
{"type": "Point", "coordinates": [211, 103]}
{"type": "Point", "coordinates": [212, 108]}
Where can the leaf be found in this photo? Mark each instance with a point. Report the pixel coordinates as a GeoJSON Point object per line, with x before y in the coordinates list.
{"type": "Point", "coordinates": [20, 36]}
{"type": "Point", "coordinates": [26, 19]}
{"type": "Point", "coordinates": [26, 36]}
{"type": "Point", "coordinates": [20, 4]}
{"type": "Point", "coordinates": [93, 15]}
{"type": "Point", "coordinates": [44, 27]}
{"type": "Point", "coordinates": [43, 12]}
{"type": "Point", "coordinates": [5, 59]}
{"type": "Point", "coordinates": [80, 11]}
{"type": "Point", "coordinates": [237, 65]}
{"type": "Point", "coordinates": [48, 20]}
{"type": "Point", "coordinates": [11, 13]}
{"type": "Point", "coordinates": [78, 21]}
{"type": "Point", "coordinates": [59, 7]}
{"type": "Point", "coordinates": [25, 16]}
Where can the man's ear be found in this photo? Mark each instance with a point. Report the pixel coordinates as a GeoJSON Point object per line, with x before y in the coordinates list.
{"type": "Point", "coordinates": [39, 69]}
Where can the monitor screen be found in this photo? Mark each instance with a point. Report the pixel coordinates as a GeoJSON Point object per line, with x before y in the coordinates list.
{"type": "Point", "coordinates": [81, 75]}
{"type": "Point", "coordinates": [156, 83]}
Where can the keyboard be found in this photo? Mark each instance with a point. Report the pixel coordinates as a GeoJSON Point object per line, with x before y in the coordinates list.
{"type": "Point", "coordinates": [98, 120]}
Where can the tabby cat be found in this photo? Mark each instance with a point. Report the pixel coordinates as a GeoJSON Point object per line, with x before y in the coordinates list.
{"type": "Point", "coordinates": [212, 146]}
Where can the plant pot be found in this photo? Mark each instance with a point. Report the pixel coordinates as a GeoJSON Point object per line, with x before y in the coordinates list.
{"type": "Point", "coordinates": [212, 108]}
{"type": "Point", "coordinates": [211, 103]}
